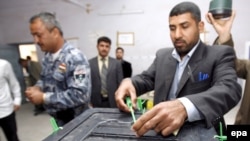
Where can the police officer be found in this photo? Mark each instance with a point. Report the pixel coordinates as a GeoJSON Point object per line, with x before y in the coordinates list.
{"type": "Point", "coordinates": [64, 86]}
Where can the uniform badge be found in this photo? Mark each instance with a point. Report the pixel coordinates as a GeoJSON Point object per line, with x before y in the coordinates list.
{"type": "Point", "coordinates": [79, 74]}
{"type": "Point", "coordinates": [62, 67]}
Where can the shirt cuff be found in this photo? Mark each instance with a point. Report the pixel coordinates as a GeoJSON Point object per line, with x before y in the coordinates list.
{"type": "Point", "coordinates": [46, 97]}
{"type": "Point", "coordinates": [192, 111]}
{"type": "Point", "coordinates": [17, 101]}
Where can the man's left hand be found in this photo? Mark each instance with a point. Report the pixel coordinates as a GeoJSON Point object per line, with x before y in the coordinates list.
{"type": "Point", "coordinates": [164, 118]}
{"type": "Point", "coordinates": [16, 107]}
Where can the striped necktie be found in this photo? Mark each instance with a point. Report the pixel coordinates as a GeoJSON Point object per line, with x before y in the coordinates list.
{"type": "Point", "coordinates": [104, 71]}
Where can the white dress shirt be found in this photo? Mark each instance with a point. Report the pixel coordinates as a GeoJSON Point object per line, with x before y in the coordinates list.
{"type": "Point", "coordinates": [99, 59]}
{"type": "Point", "coordinates": [10, 92]}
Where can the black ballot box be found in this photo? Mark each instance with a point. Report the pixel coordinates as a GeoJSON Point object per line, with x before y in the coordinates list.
{"type": "Point", "coordinates": [110, 124]}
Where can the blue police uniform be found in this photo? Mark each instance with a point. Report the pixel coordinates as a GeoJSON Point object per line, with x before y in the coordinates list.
{"type": "Point", "coordinates": [66, 83]}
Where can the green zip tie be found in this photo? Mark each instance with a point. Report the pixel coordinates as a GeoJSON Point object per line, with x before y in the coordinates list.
{"type": "Point", "coordinates": [221, 137]}
{"type": "Point", "coordinates": [54, 125]}
{"type": "Point", "coordinates": [144, 110]}
{"type": "Point", "coordinates": [133, 114]}
{"type": "Point", "coordinates": [129, 104]}
{"type": "Point", "coordinates": [140, 103]}
{"type": "Point", "coordinates": [221, 132]}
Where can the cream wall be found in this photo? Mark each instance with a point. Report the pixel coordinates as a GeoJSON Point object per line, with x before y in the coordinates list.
{"type": "Point", "coordinates": [150, 28]}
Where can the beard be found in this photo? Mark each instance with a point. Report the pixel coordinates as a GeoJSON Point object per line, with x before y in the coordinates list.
{"type": "Point", "coordinates": [103, 53]}
{"type": "Point", "coordinates": [182, 47]}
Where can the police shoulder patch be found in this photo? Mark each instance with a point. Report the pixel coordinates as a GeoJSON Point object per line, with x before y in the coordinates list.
{"type": "Point", "coordinates": [79, 74]}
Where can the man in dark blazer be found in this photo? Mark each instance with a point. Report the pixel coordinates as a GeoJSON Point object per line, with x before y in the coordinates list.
{"type": "Point", "coordinates": [195, 84]}
{"type": "Point", "coordinates": [113, 78]}
{"type": "Point", "coordinates": [126, 66]}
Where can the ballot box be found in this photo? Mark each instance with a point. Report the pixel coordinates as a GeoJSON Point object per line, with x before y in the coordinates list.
{"type": "Point", "coordinates": [110, 124]}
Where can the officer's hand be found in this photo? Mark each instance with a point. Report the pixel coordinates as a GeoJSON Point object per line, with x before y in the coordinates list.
{"type": "Point", "coordinates": [34, 94]}
{"type": "Point", "coordinates": [16, 107]}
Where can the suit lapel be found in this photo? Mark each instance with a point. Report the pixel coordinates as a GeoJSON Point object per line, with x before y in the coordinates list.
{"type": "Point", "coordinates": [110, 65]}
{"type": "Point", "coordinates": [167, 70]}
{"type": "Point", "coordinates": [96, 68]}
{"type": "Point", "coordinates": [171, 63]}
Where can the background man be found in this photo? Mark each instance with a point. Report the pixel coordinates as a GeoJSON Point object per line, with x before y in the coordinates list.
{"type": "Point", "coordinates": [106, 75]}
{"type": "Point", "coordinates": [126, 66]}
{"type": "Point", "coordinates": [9, 87]}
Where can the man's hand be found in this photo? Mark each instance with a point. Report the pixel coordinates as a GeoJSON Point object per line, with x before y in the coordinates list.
{"type": "Point", "coordinates": [16, 107]}
{"type": "Point", "coordinates": [34, 94]}
{"type": "Point", "coordinates": [164, 118]}
{"type": "Point", "coordinates": [222, 26]}
{"type": "Point", "coordinates": [125, 89]}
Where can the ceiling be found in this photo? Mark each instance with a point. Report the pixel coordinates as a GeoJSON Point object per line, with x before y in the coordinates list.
{"type": "Point", "coordinates": [17, 5]}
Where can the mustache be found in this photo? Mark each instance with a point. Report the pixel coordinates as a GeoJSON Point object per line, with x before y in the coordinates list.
{"type": "Point", "coordinates": [179, 41]}
{"type": "Point", "coordinates": [104, 51]}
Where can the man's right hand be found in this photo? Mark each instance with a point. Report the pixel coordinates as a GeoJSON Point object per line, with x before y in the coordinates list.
{"type": "Point", "coordinates": [125, 89]}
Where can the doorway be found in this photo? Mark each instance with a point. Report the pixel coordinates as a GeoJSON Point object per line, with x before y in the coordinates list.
{"type": "Point", "coordinates": [12, 53]}
{"type": "Point", "coordinates": [28, 50]}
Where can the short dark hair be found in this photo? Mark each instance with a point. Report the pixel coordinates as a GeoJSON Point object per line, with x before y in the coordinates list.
{"type": "Point", "coordinates": [120, 48]}
{"type": "Point", "coordinates": [104, 39]}
{"type": "Point", "coordinates": [20, 60]}
{"type": "Point", "coordinates": [28, 57]}
{"type": "Point", "coordinates": [187, 7]}
{"type": "Point", "coordinates": [49, 21]}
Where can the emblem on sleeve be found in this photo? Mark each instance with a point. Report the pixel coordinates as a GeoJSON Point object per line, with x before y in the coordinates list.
{"type": "Point", "coordinates": [79, 74]}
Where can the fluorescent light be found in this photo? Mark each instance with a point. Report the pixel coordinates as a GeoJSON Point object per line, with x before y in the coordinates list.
{"type": "Point", "coordinates": [121, 12]}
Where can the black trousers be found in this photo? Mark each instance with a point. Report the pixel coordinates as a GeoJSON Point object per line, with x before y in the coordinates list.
{"type": "Point", "coordinates": [9, 127]}
{"type": "Point", "coordinates": [64, 116]}
{"type": "Point", "coordinates": [105, 102]}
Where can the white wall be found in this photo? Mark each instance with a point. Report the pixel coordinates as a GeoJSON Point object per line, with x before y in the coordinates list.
{"type": "Point", "coordinates": [1, 36]}
{"type": "Point", "coordinates": [150, 28]}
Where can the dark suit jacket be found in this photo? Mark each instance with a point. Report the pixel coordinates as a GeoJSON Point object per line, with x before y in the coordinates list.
{"type": "Point", "coordinates": [213, 97]}
{"type": "Point", "coordinates": [126, 69]}
{"type": "Point", "coordinates": [114, 78]}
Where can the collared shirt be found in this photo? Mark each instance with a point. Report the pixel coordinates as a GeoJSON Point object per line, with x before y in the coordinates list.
{"type": "Point", "coordinates": [192, 111]}
{"type": "Point", "coordinates": [9, 87]}
{"type": "Point", "coordinates": [65, 80]}
{"type": "Point", "coordinates": [99, 58]}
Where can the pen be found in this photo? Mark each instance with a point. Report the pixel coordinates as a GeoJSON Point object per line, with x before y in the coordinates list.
{"type": "Point", "coordinates": [190, 73]}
